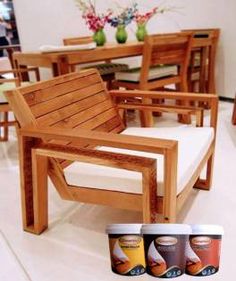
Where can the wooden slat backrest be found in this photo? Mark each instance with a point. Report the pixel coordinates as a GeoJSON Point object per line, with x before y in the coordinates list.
{"type": "Point", "coordinates": [77, 40]}
{"type": "Point", "coordinates": [72, 101]}
{"type": "Point", "coordinates": [168, 49]}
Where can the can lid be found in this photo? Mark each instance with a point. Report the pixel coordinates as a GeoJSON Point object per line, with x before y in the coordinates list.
{"type": "Point", "coordinates": [123, 228]}
{"type": "Point", "coordinates": [205, 229]}
{"type": "Point", "coordinates": [163, 228]}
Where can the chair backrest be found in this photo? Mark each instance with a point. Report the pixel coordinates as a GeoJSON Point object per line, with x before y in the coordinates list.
{"type": "Point", "coordinates": [77, 40]}
{"type": "Point", "coordinates": [168, 49]}
{"type": "Point", "coordinates": [209, 38]}
{"type": "Point", "coordinates": [72, 101]}
{"type": "Point", "coordinates": [204, 33]}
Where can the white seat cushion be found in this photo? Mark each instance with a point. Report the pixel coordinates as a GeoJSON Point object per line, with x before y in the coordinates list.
{"type": "Point", "coordinates": [193, 144]}
{"type": "Point", "coordinates": [157, 72]}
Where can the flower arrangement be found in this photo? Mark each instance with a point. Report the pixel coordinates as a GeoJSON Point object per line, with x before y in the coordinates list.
{"type": "Point", "coordinates": [142, 19]}
{"type": "Point", "coordinates": [94, 21]}
{"type": "Point", "coordinates": [125, 17]}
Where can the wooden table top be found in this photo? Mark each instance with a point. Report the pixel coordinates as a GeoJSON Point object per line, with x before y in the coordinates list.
{"type": "Point", "coordinates": [108, 51]}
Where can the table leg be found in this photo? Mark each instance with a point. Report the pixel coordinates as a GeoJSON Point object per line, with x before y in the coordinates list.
{"type": "Point", "coordinates": [234, 113]}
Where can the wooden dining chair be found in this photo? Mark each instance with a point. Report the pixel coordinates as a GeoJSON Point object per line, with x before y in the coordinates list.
{"type": "Point", "coordinates": [107, 70]}
{"type": "Point", "coordinates": [10, 79]}
{"type": "Point", "coordinates": [202, 63]}
{"type": "Point", "coordinates": [70, 129]}
{"type": "Point", "coordinates": [164, 62]}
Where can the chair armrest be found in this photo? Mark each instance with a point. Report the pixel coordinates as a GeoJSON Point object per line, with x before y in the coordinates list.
{"type": "Point", "coordinates": [18, 72]}
{"type": "Point", "coordinates": [5, 80]}
{"type": "Point", "coordinates": [163, 95]}
{"type": "Point", "coordinates": [211, 99]}
{"type": "Point", "coordinates": [153, 145]}
{"type": "Point", "coordinates": [98, 157]}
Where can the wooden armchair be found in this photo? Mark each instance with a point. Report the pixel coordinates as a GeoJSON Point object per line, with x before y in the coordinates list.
{"type": "Point", "coordinates": [165, 62]}
{"type": "Point", "coordinates": [70, 129]}
{"type": "Point", "coordinates": [7, 83]}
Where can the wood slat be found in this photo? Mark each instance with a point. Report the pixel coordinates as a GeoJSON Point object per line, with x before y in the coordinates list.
{"type": "Point", "coordinates": [60, 89]}
{"type": "Point", "coordinates": [85, 115]}
{"type": "Point", "coordinates": [65, 112]}
{"type": "Point", "coordinates": [65, 100]}
{"type": "Point", "coordinates": [113, 125]}
{"type": "Point", "coordinates": [172, 56]}
{"type": "Point", "coordinates": [98, 120]}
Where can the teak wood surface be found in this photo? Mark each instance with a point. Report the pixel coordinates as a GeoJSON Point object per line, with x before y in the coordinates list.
{"type": "Point", "coordinates": [63, 120]}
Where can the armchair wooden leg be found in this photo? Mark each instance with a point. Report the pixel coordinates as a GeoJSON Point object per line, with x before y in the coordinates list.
{"type": "Point", "coordinates": [206, 183]}
{"type": "Point", "coordinates": [32, 209]}
{"type": "Point", "coordinates": [150, 195]}
{"type": "Point", "coordinates": [40, 192]}
{"type": "Point", "coordinates": [5, 128]}
{"type": "Point", "coordinates": [170, 188]}
{"type": "Point", "coordinates": [4, 135]}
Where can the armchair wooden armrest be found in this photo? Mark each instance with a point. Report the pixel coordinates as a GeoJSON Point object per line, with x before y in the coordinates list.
{"type": "Point", "coordinates": [5, 80]}
{"type": "Point", "coordinates": [211, 99]}
{"type": "Point", "coordinates": [84, 136]}
{"type": "Point", "coordinates": [21, 71]}
{"type": "Point", "coordinates": [164, 95]}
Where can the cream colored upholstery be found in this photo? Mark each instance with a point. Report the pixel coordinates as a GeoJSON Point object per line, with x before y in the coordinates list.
{"type": "Point", "coordinates": [157, 72]}
{"type": "Point", "coordinates": [193, 143]}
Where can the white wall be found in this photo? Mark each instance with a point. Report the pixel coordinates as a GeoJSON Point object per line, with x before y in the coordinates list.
{"type": "Point", "coordinates": [48, 21]}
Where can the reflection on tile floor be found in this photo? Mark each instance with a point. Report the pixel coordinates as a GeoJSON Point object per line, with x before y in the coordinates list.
{"type": "Point", "coordinates": [75, 246]}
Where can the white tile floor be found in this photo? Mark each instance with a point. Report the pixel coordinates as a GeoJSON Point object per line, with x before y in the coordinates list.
{"type": "Point", "coordinates": [75, 246]}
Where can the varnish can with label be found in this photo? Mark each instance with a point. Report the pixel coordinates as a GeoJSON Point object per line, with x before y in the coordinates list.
{"type": "Point", "coordinates": [165, 246]}
{"type": "Point", "coordinates": [203, 250]}
{"type": "Point", "coordinates": [126, 249]}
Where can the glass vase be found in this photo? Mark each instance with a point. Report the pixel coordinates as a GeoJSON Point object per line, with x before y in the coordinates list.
{"type": "Point", "coordinates": [121, 34]}
{"type": "Point", "coordinates": [141, 32]}
{"type": "Point", "coordinates": [99, 37]}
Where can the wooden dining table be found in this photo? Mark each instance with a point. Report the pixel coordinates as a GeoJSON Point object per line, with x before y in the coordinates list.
{"type": "Point", "coordinates": [61, 62]}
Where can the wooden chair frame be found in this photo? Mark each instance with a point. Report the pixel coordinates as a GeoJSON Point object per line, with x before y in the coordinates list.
{"type": "Point", "coordinates": [206, 69]}
{"type": "Point", "coordinates": [167, 49]}
{"type": "Point", "coordinates": [42, 148]}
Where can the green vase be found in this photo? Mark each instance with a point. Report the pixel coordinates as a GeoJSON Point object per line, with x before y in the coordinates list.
{"type": "Point", "coordinates": [141, 32]}
{"type": "Point", "coordinates": [121, 34]}
{"type": "Point", "coordinates": [99, 37]}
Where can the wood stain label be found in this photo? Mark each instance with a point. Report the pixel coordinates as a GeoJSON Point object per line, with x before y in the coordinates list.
{"type": "Point", "coordinates": [127, 254]}
{"type": "Point", "coordinates": [165, 255]}
{"type": "Point", "coordinates": [203, 255]}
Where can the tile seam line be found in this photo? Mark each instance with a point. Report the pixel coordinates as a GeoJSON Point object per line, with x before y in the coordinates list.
{"type": "Point", "coordinates": [24, 271]}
